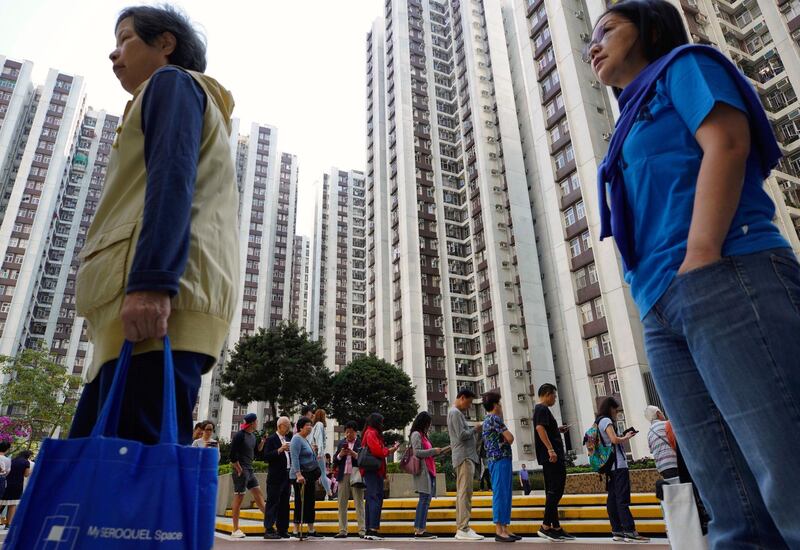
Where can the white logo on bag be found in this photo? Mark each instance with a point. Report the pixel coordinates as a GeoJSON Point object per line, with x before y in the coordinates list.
{"type": "Point", "coordinates": [57, 531]}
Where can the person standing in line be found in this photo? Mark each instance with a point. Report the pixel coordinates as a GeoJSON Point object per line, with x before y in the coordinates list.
{"type": "Point", "coordinates": [5, 466]}
{"type": "Point", "coordinates": [198, 431]}
{"type": "Point", "coordinates": [161, 256]}
{"type": "Point", "coordinates": [373, 440]}
{"type": "Point", "coordinates": [346, 461]}
{"type": "Point", "coordinates": [658, 441]}
{"type": "Point", "coordinates": [717, 285]}
{"type": "Point", "coordinates": [550, 455]}
{"type": "Point", "coordinates": [524, 480]}
{"type": "Point", "coordinates": [276, 454]}
{"type": "Point", "coordinates": [319, 442]}
{"type": "Point", "coordinates": [243, 446]}
{"type": "Point", "coordinates": [464, 446]}
{"type": "Point", "coordinates": [15, 482]}
{"type": "Point", "coordinates": [618, 503]}
{"type": "Point", "coordinates": [304, 473]}
{"type": "Point", "coordinates": [425, 479]}
{"type": "Point", "coordinates": [498, 439]}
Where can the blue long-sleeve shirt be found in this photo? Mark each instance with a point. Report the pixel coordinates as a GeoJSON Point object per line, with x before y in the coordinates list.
{"type": "Point", "coordinates": [172, 121]}
{"type": "Point", "coordinates": [301, 454]}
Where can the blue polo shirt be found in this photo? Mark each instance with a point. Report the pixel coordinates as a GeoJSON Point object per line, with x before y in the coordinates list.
{"type": "Point", "coordinates": [660, 163]}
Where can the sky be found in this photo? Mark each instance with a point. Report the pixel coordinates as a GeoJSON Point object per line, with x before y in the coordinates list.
{"type": "Point", "coordinates": [298, 65]}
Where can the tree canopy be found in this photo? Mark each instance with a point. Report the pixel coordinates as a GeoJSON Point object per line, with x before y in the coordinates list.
{"type": "Point", "coordinates": [281, 366]}
{"type": "Point", "coordinates": [369, 384]}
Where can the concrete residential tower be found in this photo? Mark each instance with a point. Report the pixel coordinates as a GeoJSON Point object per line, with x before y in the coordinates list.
{"type": "Point", "coordinates": [452, 248]}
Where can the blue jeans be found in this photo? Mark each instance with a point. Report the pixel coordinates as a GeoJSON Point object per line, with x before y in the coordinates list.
{"type": "Point", "coordinates": [724, 348]}
{"type": "Point", "coordinates": [374, 500]}
{"type": "Point", "coordinates": [326, 483]}
{"type": "Point", "coordinates": [501, 490]}
{"type": "Point", "coordinates": [424, 503]}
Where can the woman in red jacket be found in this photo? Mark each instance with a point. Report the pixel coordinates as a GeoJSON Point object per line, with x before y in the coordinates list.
{"type": "Point", "coordinates": [372, 438]}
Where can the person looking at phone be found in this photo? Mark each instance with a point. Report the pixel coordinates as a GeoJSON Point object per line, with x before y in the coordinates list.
{"type": "Point", "coordinates": [206, 438]}
{"type": "Point", "coordinates": [618, 503]}
{"type": "Point", "coordinates": [550, 455]}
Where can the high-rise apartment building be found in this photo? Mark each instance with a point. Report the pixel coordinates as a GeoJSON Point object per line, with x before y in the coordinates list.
{"type": "Point", "coordinates": [301, 278]}
{"type": "Point", "coordinates": [343, 267]}
{"type": "Point", "coordinates": [38, 151]}
{"type": "Point", "coordinates": [52, 318]}
{"type": "Point", "coordinates": [319, 260]}
{"type": "Point", "coordinates": [267, 183]}
{"type": "Point", "coordinates": [447, 183]}
{"type": "Point", "coordinates": [566, 120]}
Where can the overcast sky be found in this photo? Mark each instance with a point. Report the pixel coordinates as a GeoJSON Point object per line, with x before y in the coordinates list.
{"type": "Point", "coordinates": [295, 64]}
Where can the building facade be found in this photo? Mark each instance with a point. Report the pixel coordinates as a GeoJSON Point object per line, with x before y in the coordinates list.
{"type": "Point", "coordinates": [267, 181]}
{"type": "Point", "coordinates": [343, 267]}
{"type": "Point", "coordinates": [39, 134]}
{"type": "Point", "coordinates": [301, 278]}
{"type": "Point", "coordinates": [449, 208]}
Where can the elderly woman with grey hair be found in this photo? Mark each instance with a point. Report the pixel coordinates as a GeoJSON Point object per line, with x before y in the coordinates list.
{"type": "Point", "coordinates": [658, 440]}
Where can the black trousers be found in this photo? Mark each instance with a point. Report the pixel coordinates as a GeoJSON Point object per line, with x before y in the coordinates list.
{"type": "Point", "coordinates": [486, 477]}
{"type": "Point", "coordinates": [306, 507]}
{"type": "Point", "coordinates": [526, 487]}
{"type": "Point", "coordinates": [555, 479]}
{"type": "Point", "coordinates": [619, 502]}
{"type": "Point", "coordinates": [279, 491]}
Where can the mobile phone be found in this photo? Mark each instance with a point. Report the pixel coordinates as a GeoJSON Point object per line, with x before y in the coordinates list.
{"type": "Point", "coordinates": [446, 449]}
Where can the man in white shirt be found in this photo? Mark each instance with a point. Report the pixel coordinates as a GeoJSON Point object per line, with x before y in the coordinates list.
{"type": "Point", "coordinates": [5, 465]}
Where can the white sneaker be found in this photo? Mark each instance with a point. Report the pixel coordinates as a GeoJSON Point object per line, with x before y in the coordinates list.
{"type": "Point", "coordinates": [469, 534]}
{"type": "Point", "coordinates": [238, 534]}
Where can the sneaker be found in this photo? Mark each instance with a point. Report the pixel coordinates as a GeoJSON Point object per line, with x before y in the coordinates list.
{"type": "Point", "coordinates": [424, 535]}
{"type": "Point", "coordinates": [238, 534]}
{"type": "Point", "coordinates": [549, 534]}
{"type": "Point", "coordinates": [272, 536]}
{"type": "Point", "coordinates": [312, 535]}
{"type": "Point", "coordinates": [340, 536]}
{"type": "Point", "coordinates": [617, 536]}
{"type": "Point", "coordinates": [469, 534]}
{"type": "Point", "coordinates": [372, 535]}
{"type": "Point", "coordinates": [635, 537]}
{"type": "Point", "coordinates": [564, 535]}
{"type": "Point", "coordinates": [285, 535]}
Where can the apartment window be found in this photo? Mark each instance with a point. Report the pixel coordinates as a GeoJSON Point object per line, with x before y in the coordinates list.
{"type": "Point", "coordinates": [560, 160]}
{"type": "Point", "coordinates": [599, 309]}
{"type": "Point", "coordinates": [620, 422]}
{"type": "Point", "coordinates": [569, 216]}
{"type": "Point", "coordinates": [555, 134]}
{"type": "Point", "coordinates": [580, 211]}
{"type": "Point", "coordinates": [587, 240]}
{"type": "Point", "coordinates": [591, 269]}
{"type": "Point", "coordinates": [4, 307]}
{"type": "Point", "coordinates": [587, 316]}
{"type": "Point", "coordinates": [592, 348]}
{"type": "Point", "coordinates": [605, 340]}
{"type": "Point", "coordinates": [580, 278]}
{"type": "Point", "coordinates": [599, 386]}
{"type": "Point", "coordinates": [575, 247]}
{"type": "Point", "coordinates": [613, 382]}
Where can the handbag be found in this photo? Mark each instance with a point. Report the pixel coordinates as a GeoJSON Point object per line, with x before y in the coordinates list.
{"type": "Point", "coordinates": [356, 479]}
{"type": "Point", "coordinates": [682, 518]}
{"type": "Point", "coordinates": [367, 461]}
{"type": "Point", "coordinates": [311, 474]}
{"type": "Point", "coordinates": [169, 490]}
{"type": "Point", "coordinates": [410, 463]}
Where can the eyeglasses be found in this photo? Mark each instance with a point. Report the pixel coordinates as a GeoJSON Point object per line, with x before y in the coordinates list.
{"type": "Point", "coordinates": [599, 36]}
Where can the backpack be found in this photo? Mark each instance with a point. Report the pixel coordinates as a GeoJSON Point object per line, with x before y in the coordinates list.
{"type": "Point", "coordinates": [410, 463]}
{"type": "Point", "coordinates": [601, 456]}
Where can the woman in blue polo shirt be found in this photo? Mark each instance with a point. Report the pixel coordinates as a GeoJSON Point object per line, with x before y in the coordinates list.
{"type": "Point", "coordinates": [717, 286]}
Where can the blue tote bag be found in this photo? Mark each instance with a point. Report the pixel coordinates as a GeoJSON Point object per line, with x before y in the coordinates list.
{"type": "Point", "coordinates": [102, 492]}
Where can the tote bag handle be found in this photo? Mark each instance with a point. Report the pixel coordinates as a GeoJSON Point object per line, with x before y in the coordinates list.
{"type": "Point", "coordinates": [108, 422]}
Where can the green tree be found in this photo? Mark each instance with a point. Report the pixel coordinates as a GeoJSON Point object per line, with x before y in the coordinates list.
{"type": "Point", "coordinates": [39, 393]}
{"type": "Point", "coordinates": [444, 462]}
{"type": "Point", "coordinates": [369, 384]}
{"type": "Point", "coordinates": [279, 365]}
